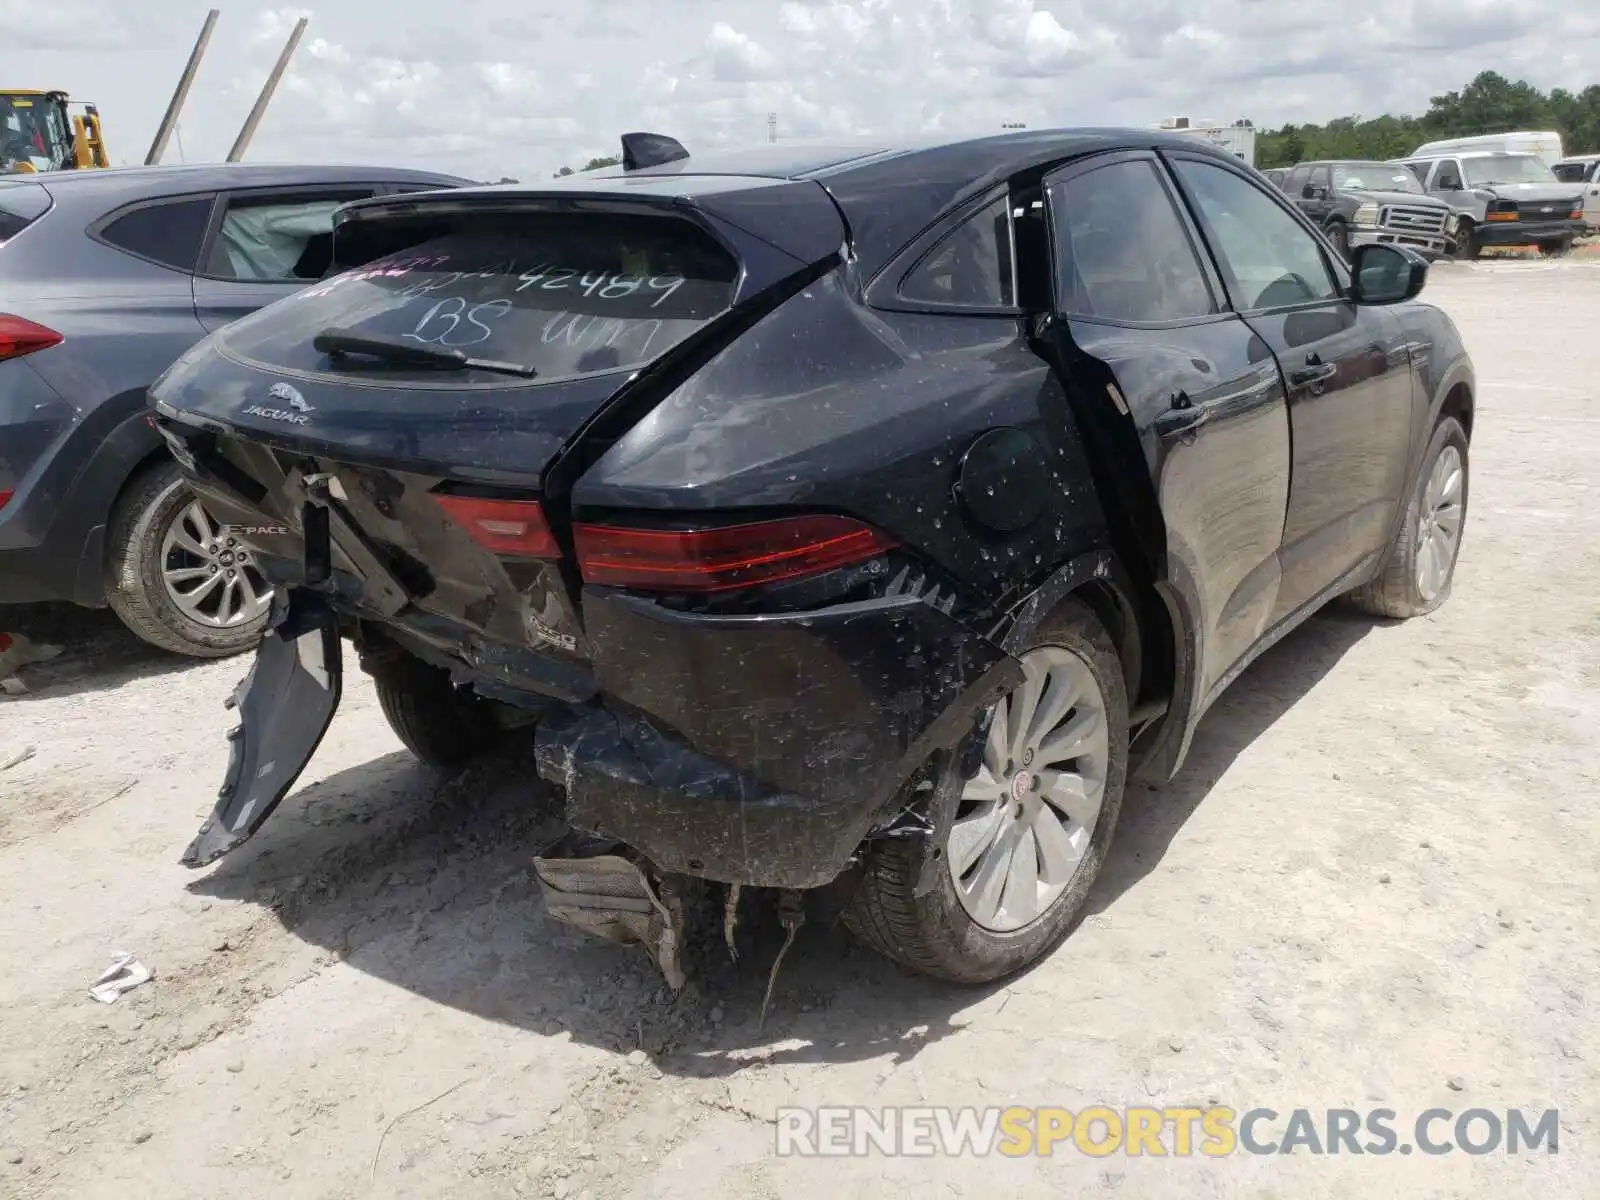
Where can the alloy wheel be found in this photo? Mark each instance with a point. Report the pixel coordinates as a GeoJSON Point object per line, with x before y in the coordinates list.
{"type": "Point", "coordinates": [1439, 534]}
{"type": "Point", "coordinates": [209, 576]}
{"type": "Point", "coordinates": [1028, 815]}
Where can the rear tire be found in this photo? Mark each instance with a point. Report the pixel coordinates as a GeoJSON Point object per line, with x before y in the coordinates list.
{"type": "Point", "coordinates": [937, 934]}
{"type": "Point", "coordinates": [1401, 589]}
{"type": "Point", "coordinates": [153, 506]}
{"type": "Point", "coordinates": [440, 724]}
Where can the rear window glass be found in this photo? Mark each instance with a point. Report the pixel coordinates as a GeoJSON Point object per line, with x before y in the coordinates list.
{"type": "Point", "coordinates": [169, 233]}
{"type": "Point", "coordinates": [21, 204]}
{"type": "Point", "coordinates": [566, 294]}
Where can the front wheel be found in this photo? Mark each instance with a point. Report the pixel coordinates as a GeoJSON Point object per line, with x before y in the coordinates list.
{"type": "Point", "coordinates": [1416, 577]}
{"type": "Point", "coordinates": [1032, 826]}
{"type": "Point", "coordinates": [1467, 245]}
{"type": "Point", "coordinates": [1555, 249]}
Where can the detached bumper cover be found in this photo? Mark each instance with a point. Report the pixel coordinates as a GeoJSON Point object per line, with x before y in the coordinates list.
{"type": "Point", "coordinates": [285, 705]}
{"type": "Point", "coordinates": [762, 749]}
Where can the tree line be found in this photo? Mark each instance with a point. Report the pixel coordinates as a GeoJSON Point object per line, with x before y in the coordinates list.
{"type": "Point", "coordinates": [1491, 103]}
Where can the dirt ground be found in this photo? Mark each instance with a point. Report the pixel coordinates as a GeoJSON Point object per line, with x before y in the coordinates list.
{"type": "Point", "coordinates": [1373, 885]}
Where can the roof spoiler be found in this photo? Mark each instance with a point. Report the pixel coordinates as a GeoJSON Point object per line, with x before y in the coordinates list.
{"type": "Point", "coordinates": [640, 150]}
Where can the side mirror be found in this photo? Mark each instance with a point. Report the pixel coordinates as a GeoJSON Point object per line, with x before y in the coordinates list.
{"type": "Point", "coordinates": [1448, 183]}
{"type": "Point", "coordinates": [1312, 192]}
{"type": "Point", "coordinates": [1386, 274]}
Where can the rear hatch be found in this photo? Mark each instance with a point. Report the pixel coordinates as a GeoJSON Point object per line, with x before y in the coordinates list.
{"type": "Point", "coordinates": [413, 406]}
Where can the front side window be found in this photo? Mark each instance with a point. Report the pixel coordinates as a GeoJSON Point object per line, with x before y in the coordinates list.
{"type": "Point", "coordinates": [565, 294]}
{"type": "Point", "coordinates": [1274, 260]}
{"type": "Point", "coordinates": [1319, 178]}
{"type": "Point", "coordinates": [1122, 253]}
{"type": "Point", "coordinates": [1298, 178]}
{"type": "Point", "coordinates": [1447, 177]}
{"type": "Point", "coordinates": [277, 239]}
{"type": "Point", "coordinates": [972, 267]}
{"type": "Point", "coordinates": [1570, 172]}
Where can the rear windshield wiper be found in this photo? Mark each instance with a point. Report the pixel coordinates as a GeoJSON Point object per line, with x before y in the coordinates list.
{"type": "Point", "coordinates": [341, 343]}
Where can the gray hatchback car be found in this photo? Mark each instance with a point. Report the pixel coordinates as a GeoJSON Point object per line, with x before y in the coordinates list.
{"type": "Point", "coordinates": [107, 277]}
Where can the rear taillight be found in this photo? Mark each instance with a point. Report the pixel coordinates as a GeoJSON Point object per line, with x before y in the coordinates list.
{"type": "Point", "coordinates": [721, 559]}
{"type": "Point", "coordinates": [5, 496]}
{"type": "Point", "coordinates": [19, 336]}
{"type": "Point", "coordinates": [515, 528]}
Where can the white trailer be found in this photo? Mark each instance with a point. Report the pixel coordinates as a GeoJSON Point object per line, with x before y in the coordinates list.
{"type": "Point", "coordinates": [1237, 137]}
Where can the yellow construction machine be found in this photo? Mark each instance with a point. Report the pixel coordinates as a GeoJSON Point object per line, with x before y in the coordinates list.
{"type": "Point", "coordinates": [40, 132]}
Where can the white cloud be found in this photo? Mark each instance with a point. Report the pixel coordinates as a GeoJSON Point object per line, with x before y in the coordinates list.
{"type": "Point", "coordinates": [500, 87]}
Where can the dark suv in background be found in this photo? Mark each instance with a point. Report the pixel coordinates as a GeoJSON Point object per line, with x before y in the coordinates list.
{"type": "Point", "coordinates": [1360, 203]}
{"type": "Point", "coordinates": [106, 277]}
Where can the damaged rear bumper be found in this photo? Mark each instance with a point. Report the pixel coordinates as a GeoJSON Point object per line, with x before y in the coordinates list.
{"type": "Point", "coordinates": [762, 750]}
{"type": "Point", "coordinates": [758, 750]}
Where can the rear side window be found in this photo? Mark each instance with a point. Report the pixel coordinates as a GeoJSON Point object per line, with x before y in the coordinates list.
{"type": "Point", "coordinates": [568, 294]}
{"type": "Point", "coordinates": [277, 238]}
{"type": "Point", "coordinates": [1122, 252]}
{"type": "Point", "coordinates": [168, 232]}
{"type": "Point", "coordinates": [21, 204]}
{"type": "Point", "coordinates": [971, 268]}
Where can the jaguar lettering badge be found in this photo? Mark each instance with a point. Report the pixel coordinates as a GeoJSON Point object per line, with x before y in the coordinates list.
{"type": "Point", "coordinates": [294, 410]}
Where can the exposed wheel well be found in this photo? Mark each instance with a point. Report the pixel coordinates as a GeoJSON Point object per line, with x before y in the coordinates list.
{"type": "Point", "coordinates": [1458, 404]}
{"type": "Point", "coordinates": [1141, 628]}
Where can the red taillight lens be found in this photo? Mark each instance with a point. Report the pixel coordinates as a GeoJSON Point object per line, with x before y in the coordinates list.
{"type": "Point", "coordinates": [718, 560]}
{"type": "Point", "coordinates": [5, 496]}
{"type": "Point", "coordinates": [19, 336]}
{"type": "Point", "coordinates": [516, 528]}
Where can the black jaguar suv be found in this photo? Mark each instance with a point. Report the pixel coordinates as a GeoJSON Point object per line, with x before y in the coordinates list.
{"type": "Point", "coordinates": [849, 522]}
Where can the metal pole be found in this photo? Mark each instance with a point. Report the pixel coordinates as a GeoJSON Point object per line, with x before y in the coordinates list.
{"type": "Point", "coordinates": [242, 142]}
{"type": "Point", "coordinates": [175, 105]}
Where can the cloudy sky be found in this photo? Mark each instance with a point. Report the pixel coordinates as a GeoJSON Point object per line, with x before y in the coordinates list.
{"type": "Point", "coordinates": [521, 87]}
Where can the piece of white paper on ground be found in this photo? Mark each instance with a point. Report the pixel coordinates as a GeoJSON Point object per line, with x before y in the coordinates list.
{"type": "Point", "coordinates": [124, 974]}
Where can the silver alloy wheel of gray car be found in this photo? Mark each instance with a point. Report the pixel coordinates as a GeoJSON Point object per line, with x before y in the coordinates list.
{"type": "Point", "coordinates": [1028, 814]}
{"type": "Point", "coordinates": [211, 579]}
{"type": "Point", "coordinates": [1439, 537]}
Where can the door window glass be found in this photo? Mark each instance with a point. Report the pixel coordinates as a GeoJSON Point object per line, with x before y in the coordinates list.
{"type": "Point", "coordinates": [1122, 251]}
{"type": "Point", "coordinates": [277, 238]}
{"type": "Point", "coordinates": [1447, 177]}
{"type": "Point", "coordinates": [1274, 260]}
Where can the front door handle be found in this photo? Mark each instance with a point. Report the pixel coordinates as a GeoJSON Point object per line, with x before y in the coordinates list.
{"type": "Point", "coordinates": [1315, 371]}
{"type": "Point", "coordinates": [1182, 422]}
